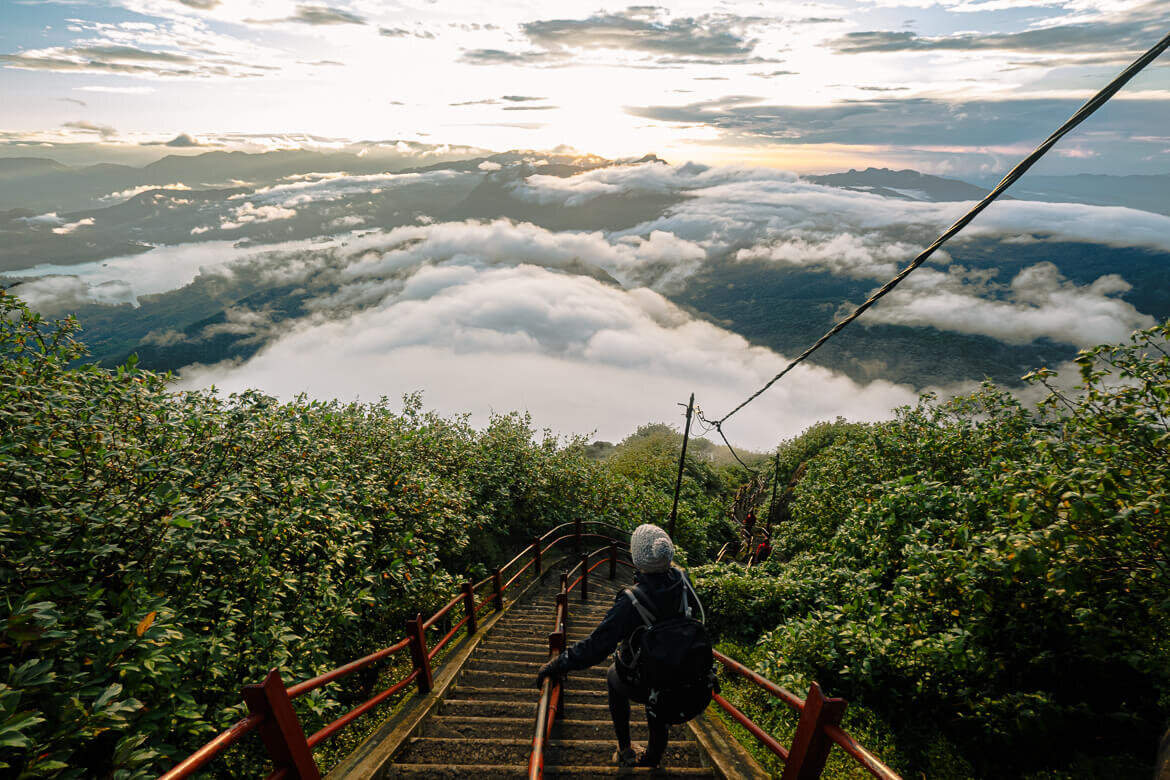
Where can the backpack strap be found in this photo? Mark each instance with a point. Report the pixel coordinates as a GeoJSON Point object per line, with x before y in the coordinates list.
{"type": "Point", "coordinates": [645, 612]}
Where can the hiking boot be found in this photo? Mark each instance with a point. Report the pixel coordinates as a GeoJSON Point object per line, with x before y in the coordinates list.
{"type": "Point", "coordinates": [643, 762]}
{"type": "Point", "coordinates": [625, 758]}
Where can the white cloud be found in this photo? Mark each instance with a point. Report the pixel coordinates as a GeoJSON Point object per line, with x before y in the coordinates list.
{"type": "Point", "coordinates": [171, 267]}
{"type": "Point", "coordinates": [577, 354]}
{"type": "Point", "coordinates": [329, 186]}
{"type": "Point", "coordinates": [54, 294]}
{"type": "Point", "coordinates": [72, 226]}
{"type": "Point", "coordinates": [131, 192]}
{"type": "Point", "coordinates": [250, 213]}
{"type": "Point", "coordinates": [657, 260]}
{"type": "Point", "coordinates": [42, 219]}
{"type": "Point", "coordinates": [1040, 303]}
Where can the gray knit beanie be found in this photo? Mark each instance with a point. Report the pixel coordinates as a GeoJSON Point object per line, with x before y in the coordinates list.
{"type": "Point", "coordinates": [651, 549]}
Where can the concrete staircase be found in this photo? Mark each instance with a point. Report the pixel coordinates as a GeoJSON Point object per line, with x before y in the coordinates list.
{"type": "Point", "coordinates": [483, 726]}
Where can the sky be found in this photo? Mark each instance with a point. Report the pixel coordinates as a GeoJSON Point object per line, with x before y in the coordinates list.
{"type": "Point", "coordinates": [958, 87]}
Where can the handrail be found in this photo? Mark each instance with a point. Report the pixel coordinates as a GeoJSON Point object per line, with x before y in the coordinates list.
{"type": "Point", "coordinates": [348, 718]}
{"type": "Point", "coordinates": [749, 724]}
{"type": "Point", "coordinates": [816, 733]}
{"type": "Point", "coordinates": [783, 694]}
{"type": "Point", "coordinates": [292, 739]}
{"type": "Point", "coordinates": [221, 742]}
{"type": "Point", "coordinates": [301, 688]}
{"type": "Point", "coordinates": [868, 760]}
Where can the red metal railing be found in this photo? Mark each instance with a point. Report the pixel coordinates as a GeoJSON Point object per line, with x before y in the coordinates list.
{"type": "Point", "coordinates": [816, 733]}
{"type": "Point", "coordinates": [548, 706]}
{"type": "Point", "coordinates": [270, 702]}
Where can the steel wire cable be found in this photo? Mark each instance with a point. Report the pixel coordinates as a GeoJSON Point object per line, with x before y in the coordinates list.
{"type": "Point", "coordinates": [1083, 113]}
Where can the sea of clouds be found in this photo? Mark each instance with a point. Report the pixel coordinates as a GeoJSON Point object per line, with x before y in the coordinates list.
{"type": "Point", "coordinates": [576, 327]}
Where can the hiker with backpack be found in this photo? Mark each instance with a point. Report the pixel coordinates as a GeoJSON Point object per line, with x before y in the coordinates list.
{"type": "Point", "coordinates": [663, 657]}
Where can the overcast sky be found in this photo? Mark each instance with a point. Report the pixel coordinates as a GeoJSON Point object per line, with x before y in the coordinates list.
{"type": "Point", "coordinates": [959, 86]}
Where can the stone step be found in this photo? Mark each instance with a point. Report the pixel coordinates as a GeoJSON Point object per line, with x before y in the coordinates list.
{"type": "Point", "coordinates": [506, 772]}
{"type": "Point", "coordinates": [489, 708]}
{"type": "Point", "coordinates": [530, 693]}
{"type": "Point", "coordinates": [582, 752]}
{"type": "Point", "coordinates": [462, 726]}
{"type": "Point", "coordinates": [455, 771]}
{"type": "Point", "coordinates": [495, 750]}
{"type": "Point", "coordinates": [519, 727]}
{"type": "Point", "coordinates": [511, 655]}
{"type": "Point", "coordinates": [585, 772]}
{"type": "Point", "coordinates": [529, 668]}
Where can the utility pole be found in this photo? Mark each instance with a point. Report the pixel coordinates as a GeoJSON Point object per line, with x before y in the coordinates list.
{"type": "Point", "coordinates": [681, 458]}
{"type": "Point", "coordinates": [775, 481]}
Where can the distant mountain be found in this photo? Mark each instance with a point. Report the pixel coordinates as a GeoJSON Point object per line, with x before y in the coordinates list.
{"type": "Point", "coordinates": [1148, 193]}
{"type": "Point", "coordinates": [902, 185]}
{"type": "Point", "coordinates": [15, 167]}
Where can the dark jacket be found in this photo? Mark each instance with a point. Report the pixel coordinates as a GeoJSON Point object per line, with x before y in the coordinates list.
{"type": "Point", "coordinates": [665, 593]}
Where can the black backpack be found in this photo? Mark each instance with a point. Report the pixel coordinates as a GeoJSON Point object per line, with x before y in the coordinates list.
{"type": "Point", "coordinates": [671, 660]}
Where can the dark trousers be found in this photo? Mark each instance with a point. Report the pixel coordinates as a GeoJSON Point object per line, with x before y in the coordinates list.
{"type": "Point", "coordinates": [621, 694]}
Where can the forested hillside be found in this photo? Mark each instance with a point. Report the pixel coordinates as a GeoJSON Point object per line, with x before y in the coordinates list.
{"type": "Point", "coordinates": [985, 582]}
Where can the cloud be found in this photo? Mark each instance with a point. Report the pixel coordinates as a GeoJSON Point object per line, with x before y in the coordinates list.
{"type": "Point", "coordinates": [1040, 303]}
{"type": "Point", "coordinates": [324, 15]}
{"type": "Point", "coordinates": [335, 186]}
{"type": "Point", "coordinates": [255, 324]}
{"type": "Point", "coordinates": [182, 140]}
{"type": "Point", "coordinates": [118, 90]}
{"type": "Point", "coordinates": [249, 213]}
{"type": "Point", "coordinates": [178, 48]}
{"type": "Point", "coordinates": [639, 28]}
{"type": "Point", "coordinates": [920, 123]}
{"type": "Point", "coordinates": [104, 131]}
{"type": "Point", "coordinates": [42, 219]}
{"type": "Point", "coordinates": [766, 216]}
{"type": "Point", "coordinates": [73, 226]}
{"type": "Point", "coordinates": [132, 191]}
{"type": "Point", "coordinates": [59, 294]}
{"type": "Point", "coordinates": [657, 259]}
{"type": "Point", "coordinates": [520, 98]}
{"type": "Point", "coordinates": [501, 57]}
{"type": "Point", "coordinates": [201, 5]}
{"type": "Point", "coordinates": [577, 354]}
{"type": "Point", "coordinates": [1121, 34]}
{"type": "Point", "coordinates": [168, 268]}
{"type": "Point", "coordinates": [402, 32]}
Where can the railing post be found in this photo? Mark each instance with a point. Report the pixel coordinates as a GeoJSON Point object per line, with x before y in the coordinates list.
{"type": "Point", "coordinates": [577, 532]}
{"type": "Point", "coordinates": [497, 589]}
{"type": "Point", "coordinates": [280, 729]}
{"type": "Point", "coordinates": [612, 560]}
{"type": "Point", "coordinates": [469, 607]}
{"type": "Point", "coordinates": [563, 606]}
{"type": "Point", "coordinates": [584, 577]}
{"type": "Point", "coordinates": [536, 554]}
{"type": "Point", "coordinates": [418, 653]}
{"type": "Point", "coordinates": [810, 745]}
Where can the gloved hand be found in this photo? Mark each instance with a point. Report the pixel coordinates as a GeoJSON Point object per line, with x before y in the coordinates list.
{"type": "Point", "coordinates": [550, 669]}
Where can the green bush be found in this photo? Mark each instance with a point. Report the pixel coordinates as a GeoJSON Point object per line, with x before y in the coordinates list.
{"type": "Point", "coordinates": [997, 573]}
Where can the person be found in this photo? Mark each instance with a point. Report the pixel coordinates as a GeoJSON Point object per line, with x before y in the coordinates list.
{"type": "Point", "coordinates": [663, 583]}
